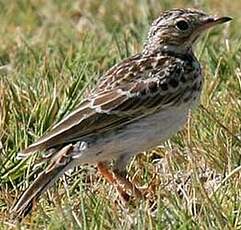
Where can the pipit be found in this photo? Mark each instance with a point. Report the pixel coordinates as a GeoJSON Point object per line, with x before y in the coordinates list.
{"type": "Point", "coordinates": [136, 104]}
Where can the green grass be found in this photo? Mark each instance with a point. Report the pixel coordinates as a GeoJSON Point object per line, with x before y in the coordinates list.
{"type": "Point", "coordinates": [53, 51]}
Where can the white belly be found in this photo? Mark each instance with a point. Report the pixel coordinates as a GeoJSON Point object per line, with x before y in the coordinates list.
{"type": "Point", "coordinates": [149, 131]}
{"type": "Point", "coordinates": [136, 137]}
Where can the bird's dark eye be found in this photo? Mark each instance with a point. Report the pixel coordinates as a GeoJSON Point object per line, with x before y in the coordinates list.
{"type": "Point", "coordinates": [182, 25]}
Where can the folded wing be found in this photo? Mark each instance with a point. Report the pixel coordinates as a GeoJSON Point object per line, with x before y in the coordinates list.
{"type": "Point", "coordinates": [130, 95]}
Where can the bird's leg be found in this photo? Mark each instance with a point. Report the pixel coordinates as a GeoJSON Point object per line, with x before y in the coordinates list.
{"type": "Point", "coordinates": [105, 172]}
{"type": "Point", "coordinates": [126, 186]}
{"type": "Point", "coordinates": [110, 177]}
{"type": "Point", "coordinates": [121, 176]}
{"type": "Point", "coordinates": [118, 180]}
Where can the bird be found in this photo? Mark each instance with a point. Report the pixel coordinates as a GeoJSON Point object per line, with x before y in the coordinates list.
{"type": "Point", "coordinates": [135, 105]}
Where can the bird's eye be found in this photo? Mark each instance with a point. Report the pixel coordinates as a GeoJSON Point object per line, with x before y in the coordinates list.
{"type": "Point", "coordinates": [182, 25]}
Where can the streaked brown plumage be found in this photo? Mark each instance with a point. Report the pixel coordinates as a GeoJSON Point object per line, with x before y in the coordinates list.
{"type": "Point", "coordinates": [137, 103]}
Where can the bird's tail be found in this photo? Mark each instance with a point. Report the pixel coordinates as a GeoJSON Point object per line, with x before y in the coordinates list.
{"type": "Point", "coordinates": [45, 180]}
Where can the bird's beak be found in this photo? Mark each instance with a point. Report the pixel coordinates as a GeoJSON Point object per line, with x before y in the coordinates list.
{"type": "Point", "coordinates": [212, 21]}
{"type": "Point", "coordinates": [206, 23]}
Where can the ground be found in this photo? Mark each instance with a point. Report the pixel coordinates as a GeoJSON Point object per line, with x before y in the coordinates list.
{"type": "Point", "coordinates": [52, 51]}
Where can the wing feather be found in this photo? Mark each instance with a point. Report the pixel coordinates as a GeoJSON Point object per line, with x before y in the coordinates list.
{"type": "Point", "coordinates": [122, 100]}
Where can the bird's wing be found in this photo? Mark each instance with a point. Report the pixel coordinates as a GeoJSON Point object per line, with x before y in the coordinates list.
{"type": "Point", "coordinates": [127, 92]}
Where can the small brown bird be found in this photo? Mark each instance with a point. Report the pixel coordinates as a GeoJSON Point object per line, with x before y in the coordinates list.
{"type": "Point", "coordinates": [137, 104]}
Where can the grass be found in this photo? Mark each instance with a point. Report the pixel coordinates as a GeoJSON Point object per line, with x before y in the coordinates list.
{"type": "Point", "coordinates": [53, 51]}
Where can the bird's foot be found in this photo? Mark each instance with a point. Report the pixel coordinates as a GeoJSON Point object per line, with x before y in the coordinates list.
{"type": "Point", "coordinates": [124, 187]}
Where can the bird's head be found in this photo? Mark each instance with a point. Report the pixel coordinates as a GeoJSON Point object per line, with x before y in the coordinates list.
{"type": "Point", "coordinates": [178, 29]}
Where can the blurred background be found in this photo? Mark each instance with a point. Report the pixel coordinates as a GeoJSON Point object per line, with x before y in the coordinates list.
{"type": "Point", "coordinates": [52, 52]}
